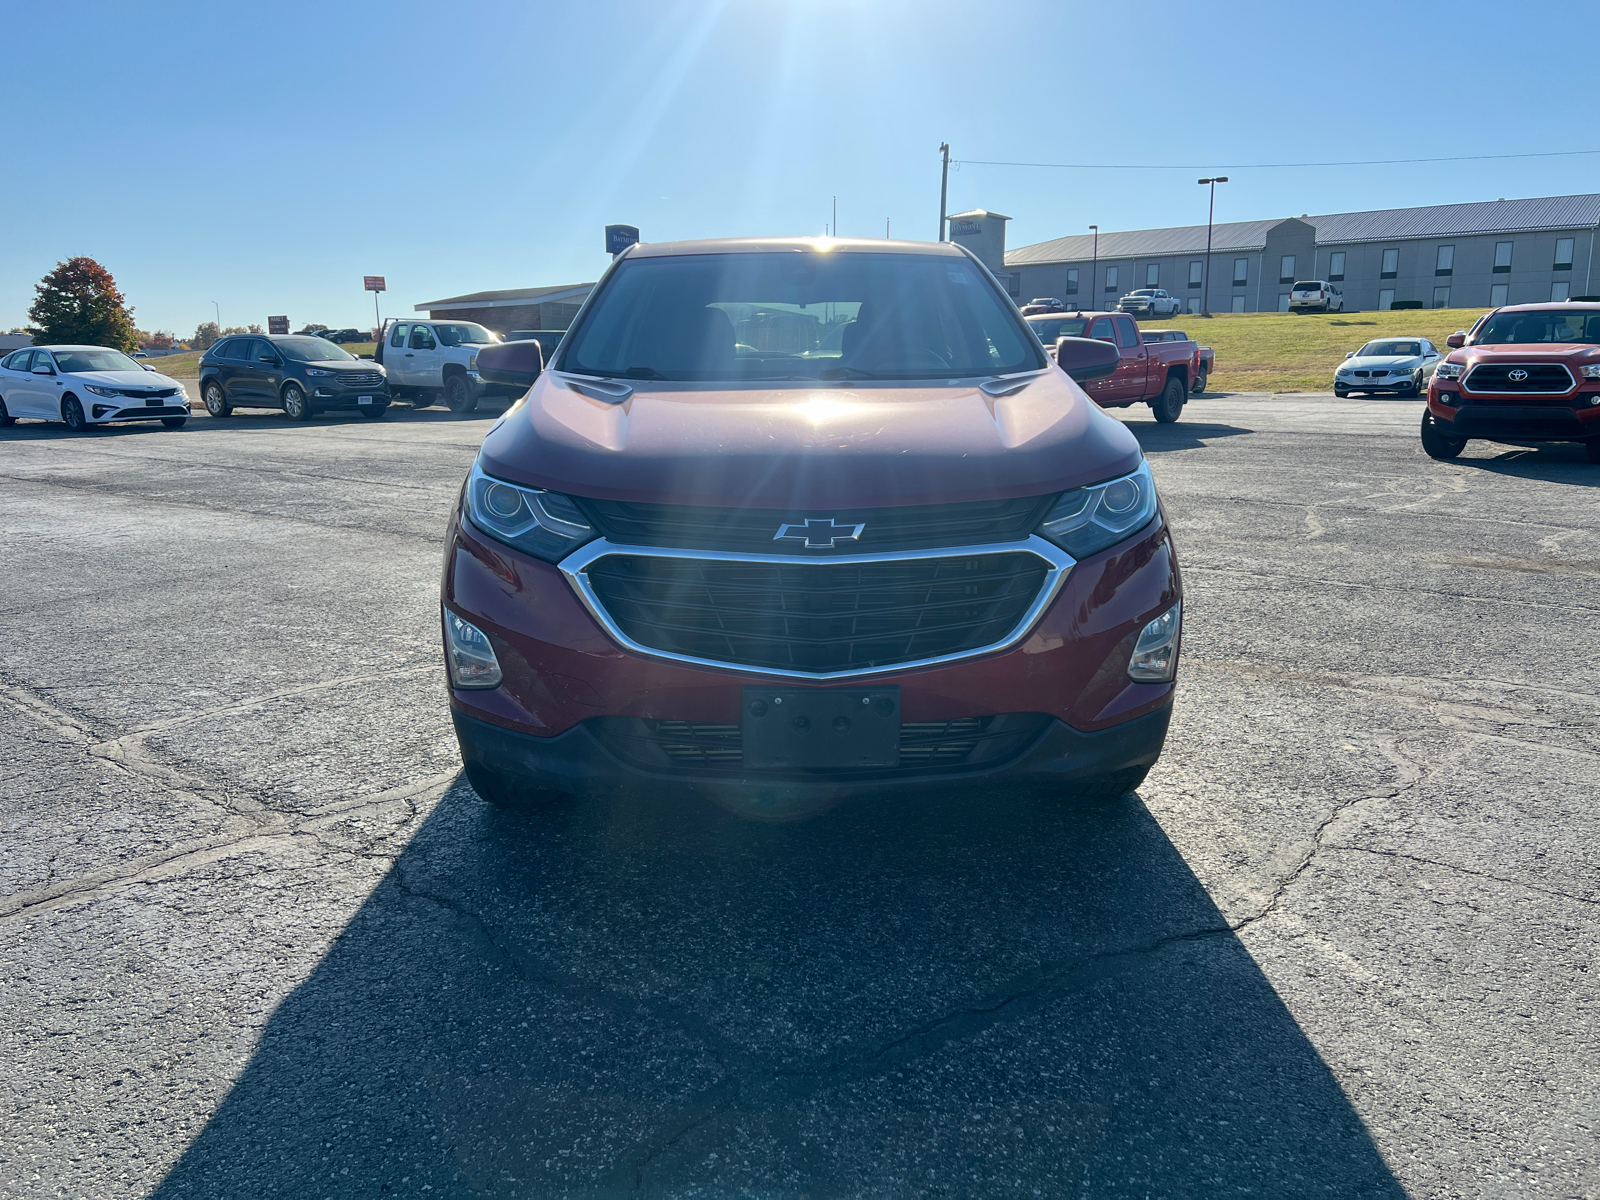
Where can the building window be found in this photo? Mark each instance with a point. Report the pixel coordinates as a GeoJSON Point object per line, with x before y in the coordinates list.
{"type": "Point", "coordinates": [1194, 304]}
{"type": "Point", "coordinates": [1111, 279]}
{"type": "Point", "coordinates": [1283, 300]}
{"type": "Point", "coordinates": [1072, 281]}
{"type": "Point", "coordinates": [1502, 258]}
{"type": "Point", "coordinates": [1445, 264]}
{"type": "Point", "coordinates": [1391, 264]}
{"type": "Point", "coordinates": [1238, 304]}
{"type": "Point", "coordinates": [1498, 293]}
{"type": "Point", "coordinates": [1241, 274]}
{"type": "Point", "coordinates": [1385, 299]}
{"type": "Point", "coordinates": [1286, 269]}
{"type": "Point", "coordinates": [1441, 297]}
{"type": "Point", "coordinates": [1152, 275]}
{"type": "Point", "coordinates": [1197, 272]}
{"type": "Point", "coordinates": [1559, 291]}
{"type": "Point", "coordinates": [1563, 254]}
{"type": "Point", "coordinates": [1336, 266]}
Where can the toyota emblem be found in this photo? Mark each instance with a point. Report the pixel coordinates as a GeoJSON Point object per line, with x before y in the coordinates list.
{"type": "Point", "coordinates": [1517, 376]}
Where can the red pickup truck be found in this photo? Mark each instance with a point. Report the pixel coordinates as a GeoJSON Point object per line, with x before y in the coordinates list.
{"type": "Point", "coordinates": [1160, 374]}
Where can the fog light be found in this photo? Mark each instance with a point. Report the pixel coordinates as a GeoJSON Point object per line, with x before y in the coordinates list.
{"type": "Point", "coordinates": [1155, 654]}
{"type": "Point", "coordinates": [469, 654]}
{"type": "Point", "coordinates": [99, 410]}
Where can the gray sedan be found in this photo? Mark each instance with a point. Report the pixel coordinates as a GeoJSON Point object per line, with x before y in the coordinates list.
{"type": "Point", "coordinates": [1400, 365]}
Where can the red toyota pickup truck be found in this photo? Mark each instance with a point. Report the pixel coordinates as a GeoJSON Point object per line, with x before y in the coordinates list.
{"type": "Point", "coordinates": [789, 519]}
{"type": "Point", "coordinates": [1524, 374]}
{"type": "Point", "coordinates": [1160, 374]}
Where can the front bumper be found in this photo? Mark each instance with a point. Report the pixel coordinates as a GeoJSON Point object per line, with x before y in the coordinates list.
{"type": "Point", "coordinates": [106, 413]}
{"type": "Point", "coordinates": [1389, 383]}
{"type": "Point", "coordinates": [562, 671]}
{"type": "Point", "coordinates": [1571, 418]}
{"type": "Point", "coordinates": [324, 398]}
{"type": "Point", "coordinates": [583, 761]}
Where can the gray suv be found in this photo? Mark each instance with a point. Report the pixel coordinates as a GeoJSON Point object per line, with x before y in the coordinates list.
{"type": "Point", "coordinates": [301, 375]}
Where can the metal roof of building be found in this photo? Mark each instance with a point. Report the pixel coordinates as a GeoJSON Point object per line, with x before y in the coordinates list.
{"type": "Point", "coordinates": [1447, 220]}
{"type": "Point", "coordinates": [1138, 243]}
{"type": "Point", "coordinates": [510, 296]}
{"type": "Point", "coordinates": [1380, 225]}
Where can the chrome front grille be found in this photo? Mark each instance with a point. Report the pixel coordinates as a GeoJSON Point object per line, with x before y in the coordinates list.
{"type": "Point", "coordinates": [818, 619]}
{"type": "Point", "coordinates": [1545, 379]}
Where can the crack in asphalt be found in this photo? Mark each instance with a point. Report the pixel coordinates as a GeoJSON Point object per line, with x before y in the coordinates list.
{"type": "Point", "coordinates": [1461, 870]}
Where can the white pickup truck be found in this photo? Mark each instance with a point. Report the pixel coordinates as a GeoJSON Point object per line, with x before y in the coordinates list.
{"type": "Point", "coordinates": [432, 360]}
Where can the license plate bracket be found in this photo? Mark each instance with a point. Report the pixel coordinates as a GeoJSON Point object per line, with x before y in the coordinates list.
{"type": "Point", "coordinates": [363, 399]}
{"type": "Point", "coordinates": [812, 729]}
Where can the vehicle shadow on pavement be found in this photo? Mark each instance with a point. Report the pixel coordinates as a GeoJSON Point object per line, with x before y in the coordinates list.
{"type": "Point", "coordinates": [1181, 435]}
{"type": "Point", "coordinates": [982, 995]}
{"type": "Point", "coordinates": [1557, 462]}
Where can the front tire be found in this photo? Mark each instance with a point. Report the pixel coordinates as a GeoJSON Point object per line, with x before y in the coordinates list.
{"type": "Point", "coordinates": [6, 419]}
{"type": "Point", "coordinates": [1437, 444]}
{"type": "Point", "coordinates": [458, 395]}
{"type": "Point", "coordinates": [72, 414]}
{"type": "Point", "coordinates": [1169, 404]}
{"type": "Point", "coordinates": [216, 400]}
{"type": "Point", "coordinates": [422, 398]}
{"type": "Point", "coordinates": [1199, 384]}
{"type": "Point", "coordinates": [174, 422]}
{"type": "Point", "coordinates": [1592, 450]}
{"type": "Point", "coordinates": [296, 404]}
{"type": "Point", "coordinates": [373, 412]}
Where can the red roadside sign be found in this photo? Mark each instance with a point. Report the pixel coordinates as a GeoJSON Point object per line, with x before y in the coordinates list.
{"type": "Point", "coordinates": [374, 283]}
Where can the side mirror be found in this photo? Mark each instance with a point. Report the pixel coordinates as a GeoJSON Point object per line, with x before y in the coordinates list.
{"type": "Point", "coordinates": [1457, 339]}
{"type": "Point", "coordinates": [1349, 353]}
{"type": "Point", "coordinates": [147, 366]}
{"type": "Point", "coordinates": [368, 357]}
{"type": "Point", "coordinates": [271, 359]}
{"type": "Point", "coordinates": [517, 364]}
{"type": "Point", "coordinates": [1081, 358]}
{"type": "Point", "coordinates": [43, 371]}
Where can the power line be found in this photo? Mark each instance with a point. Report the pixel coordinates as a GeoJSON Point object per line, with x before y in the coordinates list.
{"type": "Point", "coordinates": [1364, 162]}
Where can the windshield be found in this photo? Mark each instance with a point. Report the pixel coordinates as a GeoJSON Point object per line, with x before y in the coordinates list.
{"type": "Point", "coordinates": [799, 315]}
{"type": "Point", "coordinates": [1540, 325]}
{"type": "Point", "coordinates": [1142, 292]}
{"type": "Point", "coordinates": [73, 361]}
{"type": "Point", "coordinates": [1388, 349]}
{"type": "Point", "coordinates": [464, 334]}
{"type": "Point", "coordinates": [312, 349]}
{"type": "Point", "coordinates": [1060, 327]}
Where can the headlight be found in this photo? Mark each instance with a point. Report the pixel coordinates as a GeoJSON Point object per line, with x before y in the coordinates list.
{"type": "Point", "coordinates": [547, 525]}
{"type": "Point", "coordinates": [1155, 654]}
{"type": "Point", "coordinates": [1086, 520]}
{"type": "Point", "coordinates": [469, 655]}
{"type": "Point", "coordinates": [317, 371]}
{"type": "Point", "coordinates": [1592, 371]}
{"type": "Point", "coordinates": [1450, 370]}
{"type": "Point", "coordinates": [101, 391]}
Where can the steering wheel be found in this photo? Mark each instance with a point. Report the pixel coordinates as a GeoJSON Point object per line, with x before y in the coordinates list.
{"type": "Point", "coordinates": [923, 357]}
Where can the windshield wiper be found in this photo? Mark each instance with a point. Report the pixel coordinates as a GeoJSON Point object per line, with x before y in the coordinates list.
{"type": "Point", "coordinates": [640, 373]}
{"type": "Point", "coordinates": [847, 373]}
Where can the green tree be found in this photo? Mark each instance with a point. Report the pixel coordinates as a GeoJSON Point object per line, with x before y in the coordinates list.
{"type": "Point", "coordinates": [205, 334]}
{"type": "Point", "coordinates": [79, 302]}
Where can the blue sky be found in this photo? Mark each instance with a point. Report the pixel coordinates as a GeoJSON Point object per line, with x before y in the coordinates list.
{"type": "Point", "coordinates": [266, 156]}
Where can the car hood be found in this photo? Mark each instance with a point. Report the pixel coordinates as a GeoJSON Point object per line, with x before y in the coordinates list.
{"type": "Point", "coordinates": [1568, 352]}
{"type": "Point", "coordinates": [857, 445]}
{"type": "Point", "coordinates": [125, 379]}
{"type": "Point", "coordinates": [1388, 362]}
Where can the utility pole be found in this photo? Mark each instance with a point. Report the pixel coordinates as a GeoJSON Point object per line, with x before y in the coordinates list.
{"type": "Point", "coordinates": [1094, 271]}
{"type": "Point", "coordinates": [218, 307]}
{"type": "Point", "coordinates": [886, 231]}
{"type": "Point", "coordinates": [836, 216]}
{"type": "Point", "coordinates": [1205, 275]}
{"type": "Point", "coordinates": [944, 185]}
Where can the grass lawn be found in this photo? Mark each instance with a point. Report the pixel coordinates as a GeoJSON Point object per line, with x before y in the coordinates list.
{"type": "Point", "coordinates": [1281, 352]}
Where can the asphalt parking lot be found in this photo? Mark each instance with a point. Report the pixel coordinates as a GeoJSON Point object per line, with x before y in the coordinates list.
{"type": "Point", "coordinates": [258, 937]}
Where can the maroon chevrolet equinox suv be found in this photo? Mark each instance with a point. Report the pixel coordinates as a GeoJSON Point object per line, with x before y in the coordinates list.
{"type": "Point", "coordinates": [790, 519]}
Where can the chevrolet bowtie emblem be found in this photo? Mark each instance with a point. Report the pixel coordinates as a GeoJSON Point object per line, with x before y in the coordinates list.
{"type": "Point", "coordinates": [819, 533]}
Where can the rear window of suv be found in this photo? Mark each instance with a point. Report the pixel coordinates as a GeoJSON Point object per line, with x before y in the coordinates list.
{"type": "Point", "coordinates": [1308, 286]}
{"type": "Point", "coordinates": [787, 315]}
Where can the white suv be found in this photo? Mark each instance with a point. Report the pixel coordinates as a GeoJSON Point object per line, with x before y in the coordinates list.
{"type": "Point", "coordinates": [1314, 295]}
{"type": "Point", "coordinates": [430, 360]}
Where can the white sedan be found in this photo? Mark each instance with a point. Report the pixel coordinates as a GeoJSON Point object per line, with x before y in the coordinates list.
{"type": "Point", "coordinates": [1402, 365]}
{"type": "Point", "coordinates": [85, 386]}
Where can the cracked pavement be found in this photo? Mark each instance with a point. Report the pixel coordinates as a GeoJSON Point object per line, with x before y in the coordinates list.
{"type": "Point", "coordinates": [258, 938]}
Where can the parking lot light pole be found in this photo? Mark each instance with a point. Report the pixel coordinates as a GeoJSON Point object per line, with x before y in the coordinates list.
{"type": "Point", "coordinates": [218, 307]}
{"type": "Point", "coordinates": [944, 184]}
{"type": "Point", "coordinates": [1205, 277]}
{"type": "Point", "coordinates": [1094, 267]}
